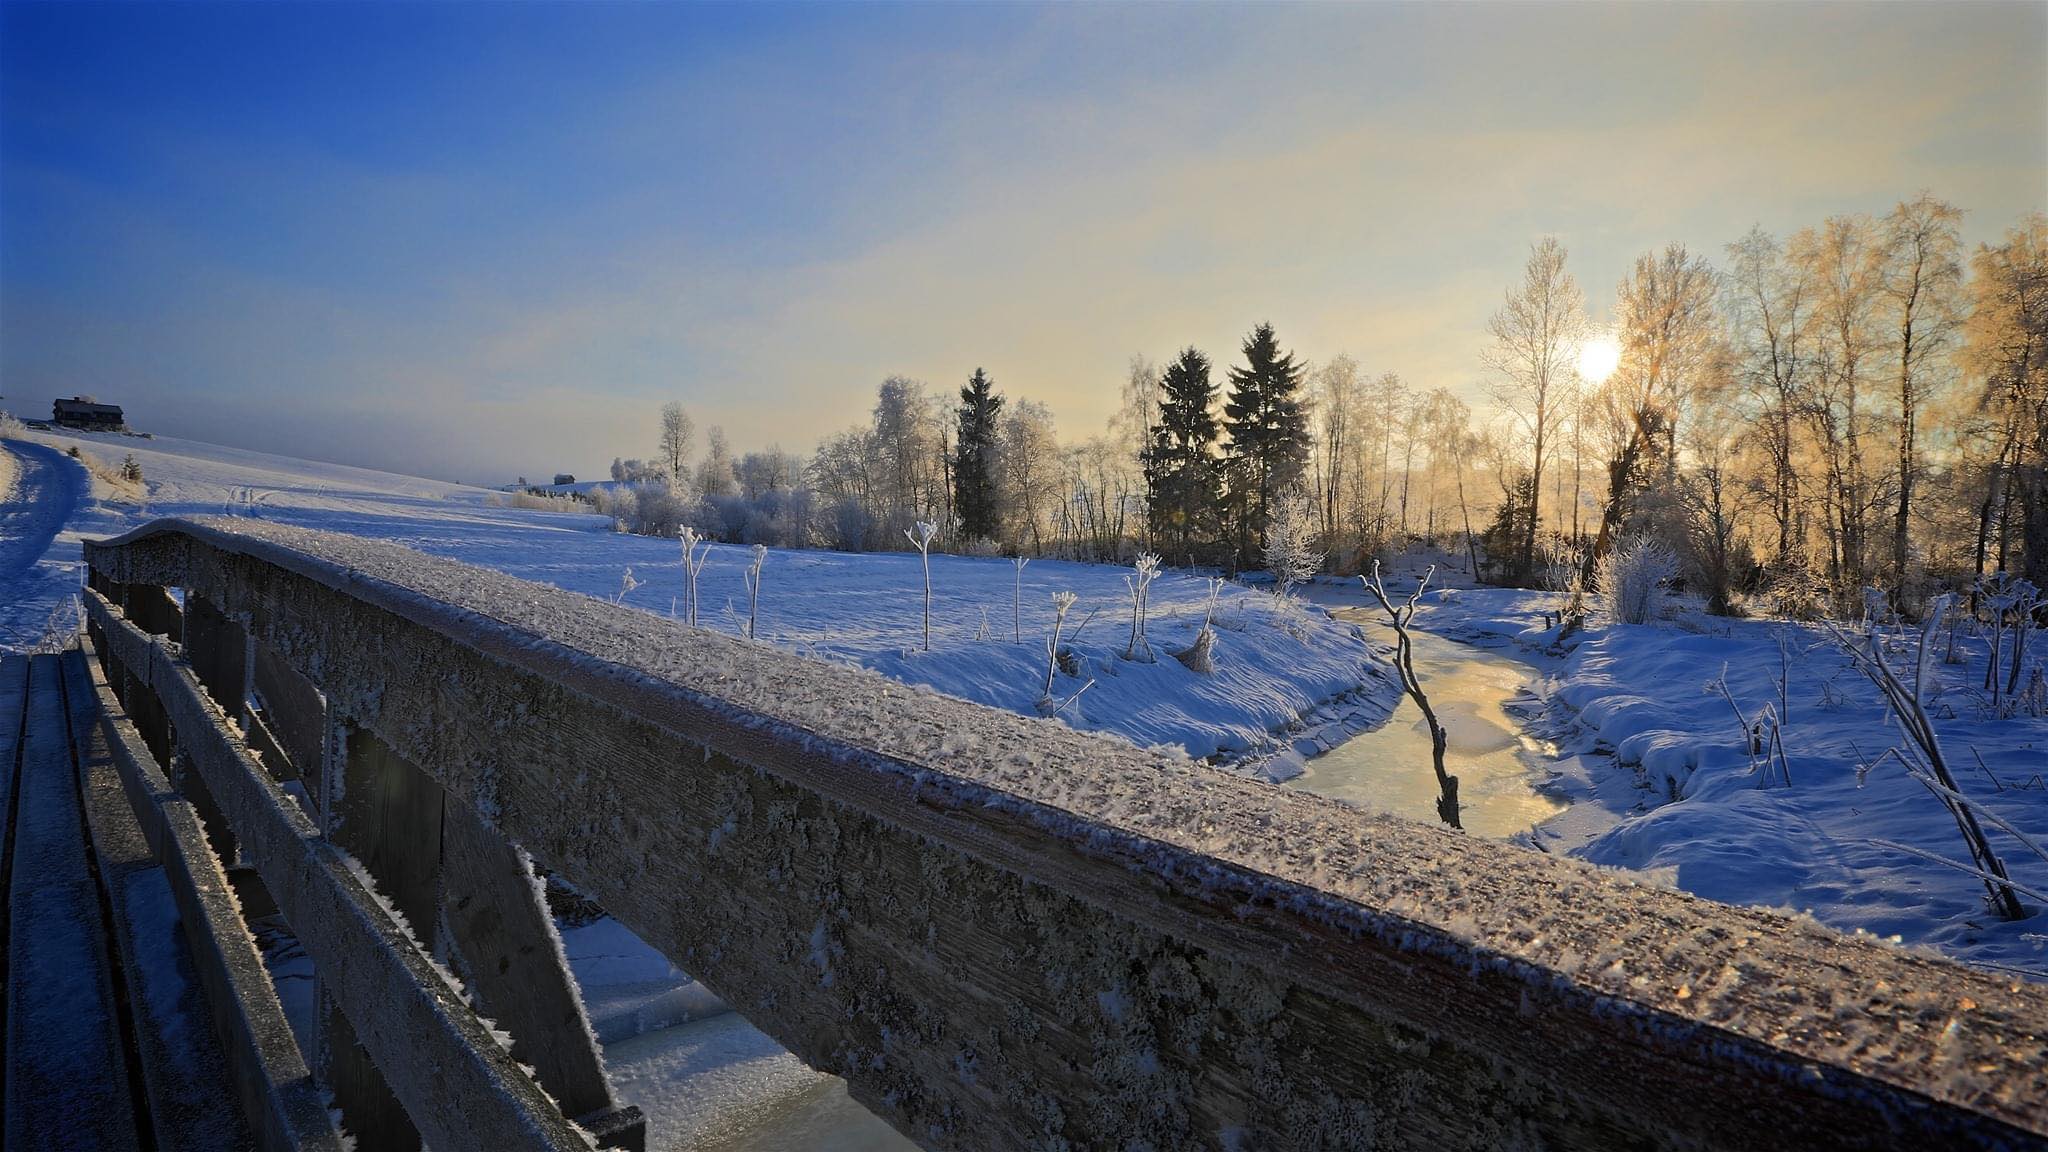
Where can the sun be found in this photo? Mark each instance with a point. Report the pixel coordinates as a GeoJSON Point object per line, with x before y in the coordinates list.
{"type": "Point", "coordinates": [1598, 358]}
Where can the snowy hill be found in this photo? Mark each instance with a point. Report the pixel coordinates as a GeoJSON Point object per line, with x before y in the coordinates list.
{"type": "Point", "coordinates": [1273, 665]}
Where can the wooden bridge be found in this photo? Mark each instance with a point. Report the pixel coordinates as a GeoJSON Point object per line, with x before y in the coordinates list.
{"type": "Point", "coordinates": [1003, 934]}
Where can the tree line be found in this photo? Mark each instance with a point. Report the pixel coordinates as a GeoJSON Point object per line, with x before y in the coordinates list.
{"type": "Point", "coordinates": [1860, 404]}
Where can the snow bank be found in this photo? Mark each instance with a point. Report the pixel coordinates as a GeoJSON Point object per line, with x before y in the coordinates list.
{"type": "Point", "coordinates": [1643, 691]}
{"type": "Point", "coordinates": [1682, 803]}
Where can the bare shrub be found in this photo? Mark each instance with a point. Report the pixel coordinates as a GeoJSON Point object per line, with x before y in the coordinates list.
{"type": "Point", "coordinates": [1630, 579]}
{"type": "Point", "coordinates": [921, 538]}
{"type": "Point", "coordinates": [1201, 655]}
{"type": "Point", "coordinates": [1062, 603]}
{"type": "Point", "coordinates": [1017, 598]}
{"type": "Point", "coordinates": [1140, 583]}
{"type": "Point", "coordinates": [695, 552]}
{"type": "Point", "coordinates": [659, 509]}
{"type": "Point", "coordinates": [1400, 615]}
{"type": "Point", "coordinates": [1290, 544]}
{"type": "Point", "coordinates": [753, 579]}
{"type": "Point", "coordinates": [535, 502]}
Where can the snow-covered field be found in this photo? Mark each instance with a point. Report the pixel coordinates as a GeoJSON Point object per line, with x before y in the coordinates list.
{"type": "Point", "coordinates": [1661, 781]}
{"type": "Point", "coordinates": [1627, 707]}
{"type": "Point", "coordinates": [1272, 666]}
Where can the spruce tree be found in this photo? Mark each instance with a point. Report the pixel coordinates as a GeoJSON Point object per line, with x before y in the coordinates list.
{"type": "Point", "coordinates": [1181, 469]}
{"type": "Point", "coordinates": [974, 468]}
{"type": "Point", "coordinates": [1268, 431]}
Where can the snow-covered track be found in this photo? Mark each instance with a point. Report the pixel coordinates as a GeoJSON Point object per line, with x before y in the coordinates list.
{"type": "Point", "coordinates": [1007, 934]}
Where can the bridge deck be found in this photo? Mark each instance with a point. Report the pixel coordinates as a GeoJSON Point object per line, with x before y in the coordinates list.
{"type": "Point", "coordinates": [108, 1043]}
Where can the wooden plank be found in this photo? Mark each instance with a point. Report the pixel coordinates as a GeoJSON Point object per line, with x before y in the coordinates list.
{"type": "Point", "coordinates": [217, 648]}
{"type": "Point", "coordinates": [13, 716]}
{"type": "Point", "coordinates": [150, 608]}
{"type": "Point", "coordinates": [13, 719]}
{"type": "Point", "coordinates": [294, 712]}
{"type": "Point", "coordinates": [510, 953]}
{"type": "Point", "coordinates": [184, 1070]}
{"type": "Point", "coordinates": [214, 646]}
{"type": "Point", "coordinates": [67, 1075]}
{"type": "Point", "coordinates": [293, 726]}
{"type": "Point", "coordinates": [278, 1098]}
{"type": "Point", "coordinates": [458, 1086]}
{"type": "Point", "coordinates": [146, 712]}
{"type": "Point", "coordinates": [388, 815]}
{"type": "Point", "coordinates": [263, 742]}
{"type": "Point", "coordinates": [1006, 934]}
{"type": "Point", "coordinates": [294, 723]}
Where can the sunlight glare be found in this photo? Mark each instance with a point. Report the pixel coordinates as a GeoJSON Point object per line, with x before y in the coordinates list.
{"type": "Point", "coordinates": [1598, 358]}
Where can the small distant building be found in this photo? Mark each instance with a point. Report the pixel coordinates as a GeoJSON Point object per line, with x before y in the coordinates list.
{"type": "Point", "coordinates": [87, 415]}
{"type": "Point", "coordinates": [560, 477]}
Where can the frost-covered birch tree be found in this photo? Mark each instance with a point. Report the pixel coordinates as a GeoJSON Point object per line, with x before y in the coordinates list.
{"type": "Point", "coordinates": [1533, 352]}
{"type": "Point", "coordinates": [676, 432]}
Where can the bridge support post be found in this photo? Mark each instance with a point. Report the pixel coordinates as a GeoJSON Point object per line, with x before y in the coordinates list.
{"type": "Point", "coordinates": [292, 711]}
{"type": "Point", "coordinates": [387, 815]}
{"type": "Point", "coordinates": [150, 608]}
{"type": "Point", "coordinates": [218, 650]}
{"type": "Point", "coordinates": [97, 635]}
{"type": "Point", "coordinates": [294, 717]}
{"type": "Point", "coordinates": [505, 941]}
{"type": "Point", "coordinates": [470, 897]}
{"type": "Point", "coordinates": [216, 647]}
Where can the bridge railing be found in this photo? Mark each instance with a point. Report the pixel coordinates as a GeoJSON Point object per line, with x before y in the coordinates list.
{"type": "Point", "coordinates": [1002, 933]}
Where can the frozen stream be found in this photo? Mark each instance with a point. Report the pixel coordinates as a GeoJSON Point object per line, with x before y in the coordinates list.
{"type": "Point", "coordinates": [1497, 766]}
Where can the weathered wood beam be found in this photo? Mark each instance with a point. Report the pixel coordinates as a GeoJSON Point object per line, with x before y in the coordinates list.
{"type": "Point", "coordinates": [295, 714]}
{"type": "Point", "coordinates": [386, 814]}
{"type": "Point", "coordinates": [13, 721]}
{"type": "Point", "coordinates": [13, 726]}
{"type": "Point", "coordinates": [502, 933]}
{"type": "Point", "coordinates": [371, 1112]}
{"type": "Point", "coordinates": [1006, 934]}
{"type": "Point", "coordinates": [184, 1069]}
{"type": "Point", "coordinates": [458, 1086]}
{"type": "Point", "coordinates": [66, 1072]}
{"type": "Point", "coordinates": [263, 742]}
{"type": "Point", "coordinates": [151, 608]}
{"type": "Point", "coordinates": [218, 649]}
{"type": "Point", "coordinates": [278, 1099]}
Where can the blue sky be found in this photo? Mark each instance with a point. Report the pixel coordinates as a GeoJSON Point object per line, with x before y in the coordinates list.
{"type": "Point", "coordinates": [478, 240]}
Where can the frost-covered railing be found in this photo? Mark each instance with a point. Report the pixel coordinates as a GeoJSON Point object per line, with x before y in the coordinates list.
{"type": "Point", "coordinates": [1006, 934]}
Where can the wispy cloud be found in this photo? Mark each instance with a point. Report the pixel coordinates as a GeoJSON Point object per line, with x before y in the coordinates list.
{"type": "Point", "coordinates": [510, 267]}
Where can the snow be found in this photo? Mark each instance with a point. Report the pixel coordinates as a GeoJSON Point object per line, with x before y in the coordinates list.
{"type": "Point", "coordinates": [1661, 781]}
{"type": "Point", "coordinates": [704, 1077]}
{"type": "Point", "coordinates": [1274, 666]}
{"type": "Point", "coordinates": [700, 1071]}
{"type": "Point", "coordinates": [1657, 777]}
{"type": "Point", "coordinates": [39, 492]}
